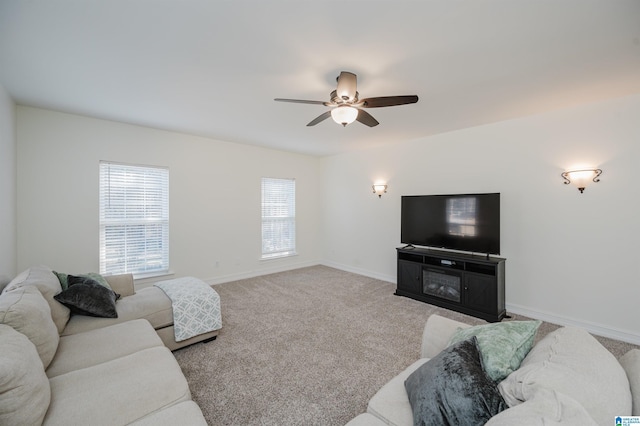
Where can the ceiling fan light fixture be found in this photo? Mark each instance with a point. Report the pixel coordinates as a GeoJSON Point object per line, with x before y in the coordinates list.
{"type": "Point", "coordinates": [346, 106]}
{"type": "Point", "coordinates": [344, 114]}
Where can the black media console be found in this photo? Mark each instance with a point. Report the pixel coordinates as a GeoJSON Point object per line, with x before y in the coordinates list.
{"type": "Point", "coordinates": [471, 284]}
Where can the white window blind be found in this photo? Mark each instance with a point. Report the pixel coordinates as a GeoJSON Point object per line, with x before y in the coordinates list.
{"type": "Point", "coordinates": [278, 217]}
{"type": "Point", "coordinates": [134, 219]}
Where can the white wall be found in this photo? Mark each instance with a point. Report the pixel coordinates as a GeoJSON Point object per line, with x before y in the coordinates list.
{"type": "Point", "coordinates": [571, 258]}
{"type": "Point", "coordinates": [214, 195]}
{"type": "Point", "coordinates": [7, 186]}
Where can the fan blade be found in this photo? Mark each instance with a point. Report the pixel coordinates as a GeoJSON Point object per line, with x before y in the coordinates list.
{"type": "Point", "coordinates": [367, 119]}
{"type": "Point", "coordinates": [301, 101]}
{"type": "Point", "coordinates": [320, 118]}
{"type": "Point", "coordinates": [347, 83]}
{"type": "Point", "coordinates": [385, 101]}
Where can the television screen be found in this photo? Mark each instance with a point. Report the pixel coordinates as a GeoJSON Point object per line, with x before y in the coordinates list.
{"type": "Point", "coordinates": [466, 222]}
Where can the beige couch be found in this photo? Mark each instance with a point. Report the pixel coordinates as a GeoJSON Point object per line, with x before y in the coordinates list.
{"type": "Point", "coordinates": [150, 303]}
{"type": "Point", "coordinates": [59, 369]}
{"type": "Point", "coordinates": [568, 377]}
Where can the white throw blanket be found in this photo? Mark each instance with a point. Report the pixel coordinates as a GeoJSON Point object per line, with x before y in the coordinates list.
{"type": "Point", "coordinates": [196, 306]}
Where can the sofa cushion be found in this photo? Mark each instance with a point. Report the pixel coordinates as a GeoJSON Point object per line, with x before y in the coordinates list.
{"type": "Point", "coordinates": [571, 361]}
{"type": "Point", "coordinates": [503, 345]}
{"type": "Point", "coordinates": [94, 347]}
{"type": "Point", "coordinates": [184, 413]}
{"type": "Point", "coordinates": [118, 392]}
{"type": "Point", "coordinates": [547, 407]}
{"type": "Point", "coordinates": [366, 419]}
{"type": "Point", "coordinates": [86, 296]}
{"type": "Point", "coordinates": [149, 303]}
{"type": "Point", "coordinates": [121, 283]}
{"type": "Point", "coordinates": [631, 364]}
{"type": "Point", "coordinates": [26, 311]}
{"type": "Point", "coordinates": [390, 403]}
{"type": "Point", "coordinates": [45, 280]}
{"type": "Point", "coordinates": [453, 388]}
{"type": "Point", "coordinates": [24, 388]}
{"type": "Point", "coordinates": [437, 334]}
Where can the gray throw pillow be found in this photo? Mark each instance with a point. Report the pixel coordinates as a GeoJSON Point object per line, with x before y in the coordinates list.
{"type": "Point", "coordinates": [452, 388]}
{"type": "Point", "coordinates": [87, 297]}
{"type": "Point", "coordinates": [64, 279]}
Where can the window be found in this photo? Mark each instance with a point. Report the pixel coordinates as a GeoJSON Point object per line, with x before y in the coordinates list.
{"type": "Point", "coordinates": [278, 217]}
{"type": "Point", "coordinates": [461, 216]}
{"type": "Point", "coordinates": [134, 219]}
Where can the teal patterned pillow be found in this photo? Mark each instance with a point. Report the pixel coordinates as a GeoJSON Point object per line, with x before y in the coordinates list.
{"type": "Point", "coordinates": [503, 345]}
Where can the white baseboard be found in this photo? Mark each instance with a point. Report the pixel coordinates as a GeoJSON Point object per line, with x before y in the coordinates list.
{"type": "Point", "coordinates": [594, 328]}
{"type": "Point", "coordinates": [256, 273]}
{"type": "Point", "coordinates": [366, 273]}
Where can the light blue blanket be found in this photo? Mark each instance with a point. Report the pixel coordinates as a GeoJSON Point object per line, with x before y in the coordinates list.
{"type": "Point", "coordinates": [196, 306]}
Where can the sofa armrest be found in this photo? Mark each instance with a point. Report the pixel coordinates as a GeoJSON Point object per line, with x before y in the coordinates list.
{"type": "Point", "coordinates": [121, 284]}
{"type": "Point", "coordinates": [631, 364]}
{"type": "Point", "coordinates": [437, 333]}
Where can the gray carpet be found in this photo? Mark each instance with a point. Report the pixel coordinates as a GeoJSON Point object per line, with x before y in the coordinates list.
{"type": "Point", "coordinates": [308, 347]}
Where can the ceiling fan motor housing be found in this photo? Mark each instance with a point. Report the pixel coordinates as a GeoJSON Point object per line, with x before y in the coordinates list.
{"type": "Point", "coordinates": [335, 99]}
{"type": "Point", "coordinates": [347, 83]}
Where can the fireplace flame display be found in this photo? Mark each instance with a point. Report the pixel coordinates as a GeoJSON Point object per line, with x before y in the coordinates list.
{"type": "Point", "coordinates": [444, 286]}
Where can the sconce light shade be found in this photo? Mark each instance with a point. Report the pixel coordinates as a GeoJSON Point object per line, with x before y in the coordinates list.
{"type": "Point", "coordinates": [581, 178]}
{"type": "Point", "coordinates": [379, 188]}
{"type": "Point", "coordinates": [344, 114]}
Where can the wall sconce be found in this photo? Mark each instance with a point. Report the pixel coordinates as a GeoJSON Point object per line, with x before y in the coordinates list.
{"type": "Point", "coordinates": [379, 188]}
{"type": "Point", "coordinates": [581, 178]}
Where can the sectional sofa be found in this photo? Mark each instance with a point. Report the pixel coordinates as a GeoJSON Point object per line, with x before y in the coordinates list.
{"type": "Point", "coordinates": [567, 378]}
{"type": "Point", "coordinates": [63, 369]}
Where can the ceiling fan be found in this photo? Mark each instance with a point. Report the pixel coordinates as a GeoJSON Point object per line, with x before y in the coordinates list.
{"type": "Point", "coordinates": [346, 107]}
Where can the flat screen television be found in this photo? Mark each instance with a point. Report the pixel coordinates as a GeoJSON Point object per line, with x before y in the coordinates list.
{"type": "Point", "coordinates": [465, 222]}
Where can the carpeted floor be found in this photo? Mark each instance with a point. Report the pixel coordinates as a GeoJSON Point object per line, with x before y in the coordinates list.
{"type": "Point", "coordinates": [308, 347]}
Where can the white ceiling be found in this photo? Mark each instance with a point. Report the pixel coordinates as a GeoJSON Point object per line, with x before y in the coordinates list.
{"type": "Point", "coordinates": [213, 68]}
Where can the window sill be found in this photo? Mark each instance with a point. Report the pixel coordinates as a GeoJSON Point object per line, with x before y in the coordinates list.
{"type": "Point", "coordinates": [149, 275]}
{"type": "Point", "coordinates": [278, 256]}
